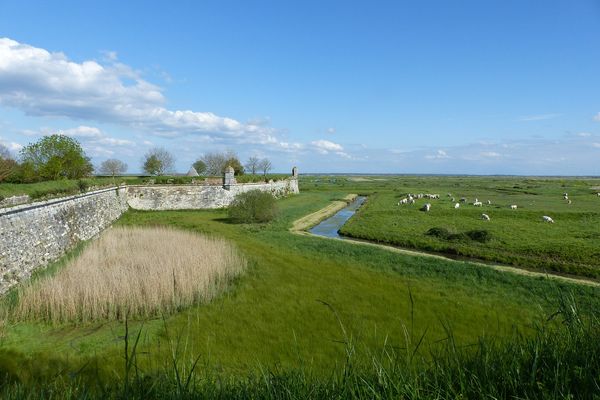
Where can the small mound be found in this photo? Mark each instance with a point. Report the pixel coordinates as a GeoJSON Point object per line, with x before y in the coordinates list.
{"type": "Point", "coordinates": [133, 272]}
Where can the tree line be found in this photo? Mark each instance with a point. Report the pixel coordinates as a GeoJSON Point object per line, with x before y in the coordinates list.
{"type": "Point", "coordinates": [56, 157]}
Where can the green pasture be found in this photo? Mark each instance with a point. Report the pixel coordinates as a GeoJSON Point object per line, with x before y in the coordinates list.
{"type": "Point", "coordinates": [297, 299]}
{"type": "Point", "coordinates": [519, 237]}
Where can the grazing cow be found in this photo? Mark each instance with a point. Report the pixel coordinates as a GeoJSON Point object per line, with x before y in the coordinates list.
{"type": "Point", "coordinates": [513, 206]}
{"type": "Point", "coordinates": [566, 197]}
{"type": "Point", "coordinates": [403, 201]}
{"type": "Point", "coordinates": [463, 200]}
{"type": "Point", "coordinates": [489, 202]}
{"type": "Point", "coordinates": [449, 194]}
{"type": "Point", "coordinates": [478, 204]}
{"type": "Point", "coordinates": [485, 217]}
{"type": "Point", "coordinates": [569, 202]}
{"type": "Point", "coordinates": [457, 205]}
{"type": "Point", "coordinates": [598, 194]}
{"type": "Point", "coordinates": [426, 207]}
{"type": "Point", "coordinates": [547, 219]}
{"type": "Point", "coordinates": [411, 201]}
{"type": "Point", "coordinates": [565, 194]}
{"type": "Point", "coordinates": [453, 200]}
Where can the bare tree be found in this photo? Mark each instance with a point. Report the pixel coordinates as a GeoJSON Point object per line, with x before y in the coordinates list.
{"type": "Point", "coordinates": [215, 163]}
{"type": "Point", "coordinates": [252, 164]}
{"type": "Point", "coordinates": [265, 166]}
{"type": "Point", "coordinates": [158, 161]}
{"type": "Point", "coordinates": [7, 163]}
{"type": "Point", "coordinates": [113, 167]}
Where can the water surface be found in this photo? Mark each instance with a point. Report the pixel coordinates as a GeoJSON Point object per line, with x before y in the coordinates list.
{"type": "Point", "coordinates": [331, 226]}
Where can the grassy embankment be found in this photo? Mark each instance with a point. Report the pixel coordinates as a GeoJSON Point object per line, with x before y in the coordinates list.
{"type": "Point", "coordinates": [275, 317]}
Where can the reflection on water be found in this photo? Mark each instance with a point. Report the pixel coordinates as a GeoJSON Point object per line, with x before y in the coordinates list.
{"type": "Point", "coordinates": [331, 225]}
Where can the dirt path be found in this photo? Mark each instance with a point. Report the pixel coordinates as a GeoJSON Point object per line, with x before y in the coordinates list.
{"type": "Point", "coordinates": [301, 226]}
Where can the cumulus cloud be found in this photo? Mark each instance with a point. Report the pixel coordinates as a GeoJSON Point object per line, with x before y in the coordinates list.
{"type": "Point", "coordinates": [13, 147]}
{"type": "Point", "coordinates": [439, 155]}
{"type": "Point", "coordinates": [597, 117]}
{"type": "Point", "coordinates": [326, 146]}
{"type": "Point", "coordinates": [331, 130]}
{"type": "Point", "coordinates": [43, 83]}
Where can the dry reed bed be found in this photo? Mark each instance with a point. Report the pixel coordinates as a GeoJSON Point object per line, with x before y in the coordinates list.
{"type": "Point", "coordinates": [133, 272]}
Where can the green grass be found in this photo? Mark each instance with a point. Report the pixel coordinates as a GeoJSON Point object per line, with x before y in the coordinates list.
{"type": "Point", "coordinates": [519, 237]}
{"type": "Point", "coordinates": [275, 319]}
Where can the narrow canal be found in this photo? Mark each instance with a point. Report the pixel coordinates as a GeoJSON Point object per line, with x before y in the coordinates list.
{"type": "Point", "coordinates": [330, 226]}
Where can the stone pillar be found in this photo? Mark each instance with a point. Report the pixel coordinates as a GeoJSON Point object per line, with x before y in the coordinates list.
{"type": "Point", "coordinates": [295, 173]}
{"type": "Point", "coordinates": [229, 177]}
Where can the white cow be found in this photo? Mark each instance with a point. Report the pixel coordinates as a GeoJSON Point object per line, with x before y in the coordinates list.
{"type": "Point", "coordinates": [426, 207]}
{"type": "Point", "coordinates": [489, 202]}
{"type": "Point", "coordinates": [457, 205]}
{"type": "Point", "coordinates": [598, 194]}
{"type": "Point", "coordinates": [569, 202]}
{"type": "Point", "coordinates": [513, 206]}
{"type": "Point", "coordinates": [411, 201]}
{"type": "Point", "coordinates": [478, 204]}
{"type": "Point", "coordinates": [547, 219]}
{"type": "Point", "coordinates": [463, 199]}
{"type": "Point", "coordinates": [485, 217]}
{"type": "Point", "coordinates": [403, 201]}
{"type": "Point", "coordinates": [566, 197]}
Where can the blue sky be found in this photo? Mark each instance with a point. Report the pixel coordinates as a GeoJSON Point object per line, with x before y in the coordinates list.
{"type": "Point", "coordinates": [477, 87]}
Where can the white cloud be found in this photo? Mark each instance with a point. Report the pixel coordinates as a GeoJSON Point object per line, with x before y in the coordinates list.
{"type": "Point", "coordinates": [538, 117]}
{"type": "Point", "coordinates": [597, 117]}
{"type": "Point", "coordinates": [584, 134]}
{"type": "Point", "coordinates": [490, 154]}
{"type": "Point", "coordinates": [44, 83]}
{"type": "Point", "coordinates": [325, 146]}
{"type": "Point", "coordinates": [439, 155]}
{"type": "Point", "coordinates": [597, 145]}
{"type": "Point", "coordinates": [331, 130]}
{"type": "Point", "coordinates": [13, 147]}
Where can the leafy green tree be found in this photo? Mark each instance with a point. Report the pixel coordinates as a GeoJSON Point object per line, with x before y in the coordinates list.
{"type": "Point", "coordinates": [235, 163]}
{"type": "Point", "coordinates": [158, 161]}
{"type": "Point", "coordinates": [113, 167]}
{"type": "Point", "coordinates": [253, 206]}
{"type": "Point", "coordinates": [56, 157]}
{"type": "Point", "coordinates": [200, 167]}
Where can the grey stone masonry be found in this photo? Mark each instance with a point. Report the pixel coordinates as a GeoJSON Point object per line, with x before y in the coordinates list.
{"type": "Point", "coordinates": [190, 197]}
{"type": "Point", "coordinates": [36, 234]}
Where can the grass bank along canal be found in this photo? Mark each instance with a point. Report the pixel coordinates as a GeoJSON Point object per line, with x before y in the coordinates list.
{"type": "Point", "coordinates": [330, 227]}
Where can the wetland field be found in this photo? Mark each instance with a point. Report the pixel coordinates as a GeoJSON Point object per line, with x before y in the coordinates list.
{"type": "Point", "coordinates": [310, 317]}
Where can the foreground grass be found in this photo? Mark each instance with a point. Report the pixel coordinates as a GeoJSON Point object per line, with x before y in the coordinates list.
{"type": "Point", "coordinates": [279, 319]}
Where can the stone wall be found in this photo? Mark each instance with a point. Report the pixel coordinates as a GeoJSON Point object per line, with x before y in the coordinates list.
{"type": "Point", "coordinates": [189, 197]}
{"type": "Point", "coordinates": [36, 234]}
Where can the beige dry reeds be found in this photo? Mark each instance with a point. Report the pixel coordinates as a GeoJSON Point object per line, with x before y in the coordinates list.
{"type": "Point", "coordinates": [133, 272]}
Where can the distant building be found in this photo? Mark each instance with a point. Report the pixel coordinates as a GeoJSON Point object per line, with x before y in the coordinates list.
{"type": "Point", "coordinates": [192, 172]}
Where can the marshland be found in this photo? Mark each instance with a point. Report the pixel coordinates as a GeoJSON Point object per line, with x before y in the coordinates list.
{"type": "Point", "coordinates": [274, 313]}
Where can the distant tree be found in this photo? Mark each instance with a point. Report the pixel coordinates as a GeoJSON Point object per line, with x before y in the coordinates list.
{"type": "Point", "coordinates": [265, 166]}
{"type": "Point", "coordinates": [217, 162]}
{"type": "Point", "coordinates": [56, 157]}
{"type": "Point", "coordinates": [8, 166]}
{"type": "Point", "coordinates": [158, 161]}
{"type": "Point", "coordinates": [113, 167]}
{"type": "Point", "coordinates": [200, 167]}
{"type": "Point", "coordinates": [252, 164]}
{"type": "Point", "coordinates": [235, 163]}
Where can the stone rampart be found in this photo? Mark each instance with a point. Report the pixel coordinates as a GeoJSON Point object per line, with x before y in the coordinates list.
{"type": "Point", "coordinates": [36, 234]}
{"type": "Point", "coordinates": [190, 197]}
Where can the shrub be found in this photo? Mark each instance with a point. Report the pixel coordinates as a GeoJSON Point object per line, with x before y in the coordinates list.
{"type": "Point", "coordinates": [83, 185]}
{"type": "Point", "coordinates": [482, 236]}
{"type": "Point", "coordinates": [253, 206]}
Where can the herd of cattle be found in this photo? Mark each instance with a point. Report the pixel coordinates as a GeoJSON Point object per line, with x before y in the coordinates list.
{"type": "Point", "coordinates": [411, 199]}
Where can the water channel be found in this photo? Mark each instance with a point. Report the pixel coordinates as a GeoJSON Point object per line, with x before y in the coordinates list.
{"type": "Point", "coordinates": [330, 226]}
